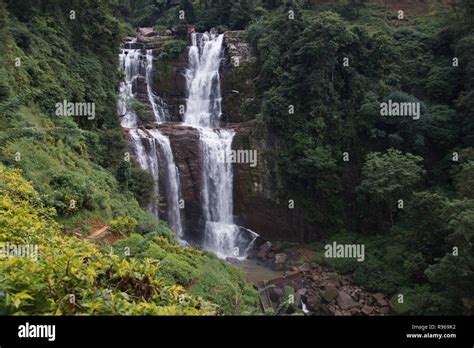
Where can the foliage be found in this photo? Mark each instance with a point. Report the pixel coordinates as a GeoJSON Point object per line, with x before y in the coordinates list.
{"type": "Point", "coordinates": [389, 177]}
{"type": "Point", "coordinates": [202, 273]}
{"type": "Point", "coordinates": [172, 49]}
{"type": "Point", "coordinates": [465, 180]}
{"type": "Point", "coordinates": [72, 276]}
{"type": "Point", "coordinates": [123, 225]}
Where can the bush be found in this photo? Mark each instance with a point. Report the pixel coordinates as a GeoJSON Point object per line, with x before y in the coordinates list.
{"type": "Point", "coordinates": [70, 275]}
{"type": "Point", "coordinates": [204, 274]}
{"type": "Point", "coordinates": [123, 225]}
{"type": "Point", "coordinates": [172, 49]}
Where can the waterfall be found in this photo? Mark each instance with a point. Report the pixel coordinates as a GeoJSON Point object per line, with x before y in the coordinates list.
{"type": "Point", "coordinates": [172, 179]}
{"type": "Point", "coordinates": [203, 105]}
{"type": "Point", "coordinates": [150, 147]}
{"type": "Point", "coordinates": [159, 109]}
{"type": "Point", "coordinates": [146, 153]}
{"type": "Point", "coordinates": [203, 111]}
{"type": "Point", "coordinates": [132, 66]}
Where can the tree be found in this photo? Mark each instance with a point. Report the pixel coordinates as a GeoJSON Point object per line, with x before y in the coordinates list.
{"type": "Point", "coordinates": [390, 176]}
{"type": "Point", "coordinates": [357, 5]}
{"type": "Point", "coordinates": [465, 180]}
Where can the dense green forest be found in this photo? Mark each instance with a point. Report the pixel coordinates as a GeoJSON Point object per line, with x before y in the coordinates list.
{"type": "Point", "coordinates": [403, 187]}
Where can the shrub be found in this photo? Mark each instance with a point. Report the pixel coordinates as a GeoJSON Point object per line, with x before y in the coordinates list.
{"type": "Point", "coordinates": [123, 225]}
{"type": "Point", "coordinates": [70, 275]}
{"type": "Point", "coordinates": [204, 274]}
{"type": "Point", "coordinates": [172, 49]}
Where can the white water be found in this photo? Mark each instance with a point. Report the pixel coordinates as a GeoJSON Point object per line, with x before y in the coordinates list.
{"type": "Point", "coordinates": [146, 153]}
{"type": "Point", "coordinates": [172, 179]}
{"type": "Point", "coordinates": [150, 147]}
{"type": "Point", "coordinates": [203, 111]}
{"type": "Point", "coordinates": [132, 65]}
{"type": "Point", "coordinates": [159, 111]}
{"type": "Point", "coordinates": [203, 106]}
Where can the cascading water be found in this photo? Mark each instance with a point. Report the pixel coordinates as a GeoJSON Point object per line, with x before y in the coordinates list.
{"type": "Point", "coordinates": [203, 111]}
{"type": "Point", "coordinates": [159, 110]}
{"type": "Point", "coordinates": [172, 178]}
{"type": "Point", "coordinates": [153, 150]}
{"type": "Point", "coordinates": [146, 153]}
{"type": "Point", "coordinates": [132, 65]}
{"type": "Point", "coordinates": [203, 108]}
{"type": "Point", "coordinates": [150, 147]}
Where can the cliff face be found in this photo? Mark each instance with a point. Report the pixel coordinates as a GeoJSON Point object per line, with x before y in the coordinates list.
{"type": "Point", "coordinates": [237, 78]}
{"type": "Point", "coordinates": [259, 201]}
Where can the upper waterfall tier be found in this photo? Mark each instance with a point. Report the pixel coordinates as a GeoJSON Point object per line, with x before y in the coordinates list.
{"type": "Point", "coordinates": [203, 81]}
{"type": "Point", "coordinates": [137, 65]}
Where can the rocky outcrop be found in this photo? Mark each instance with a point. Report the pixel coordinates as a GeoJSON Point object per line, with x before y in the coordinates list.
{"type": "Point", "coordinates": [151, 39]}
{"type": "Point", "coordinates": [238, 71]}
{"type": "Point", "coordinates": [168, 75]}
{"type": "Point", "coordinates": [169, 82]}
{"type": "Point", "coordinates": [322, 290]}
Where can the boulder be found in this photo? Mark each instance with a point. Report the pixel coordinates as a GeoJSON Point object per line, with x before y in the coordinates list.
{"type": "Point", "coordinates": [355, 311]}
{"type": "Point", "coordinates": [332, 278]}
{"type": "Point", "coordinates": [313, 301]}
{"type": "Point", "coordinates": [304, 268]}
{"type": "Point", "coordinates": [345, 301]}
{"type": "Point", "coordinates": [329, 293]}
{"type": "Point", "coordinates": [380, 298]}
{"type": "Point", "coordinates": [367, 310]}
{"type": "Point", "coordinates": [279, 262]}
{"type": "Point", "coordinates": [233, 260]}
{"type": "Point", "coordinates": [302, 291]}
{"type": "Point", "coordinates": [276, 294]}
{"type": "Point", "coordinates": [263, 250]}
{"type": "Point", "coordinates": [280, 258]}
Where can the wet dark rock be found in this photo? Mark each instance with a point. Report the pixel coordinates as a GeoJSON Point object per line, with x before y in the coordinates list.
{"type": "Point", "coordinates": [264, 250]}
{"type": "Point", "coordinates": [186, 148]}
{"type": "Point", "coordinates": [276, 294]}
